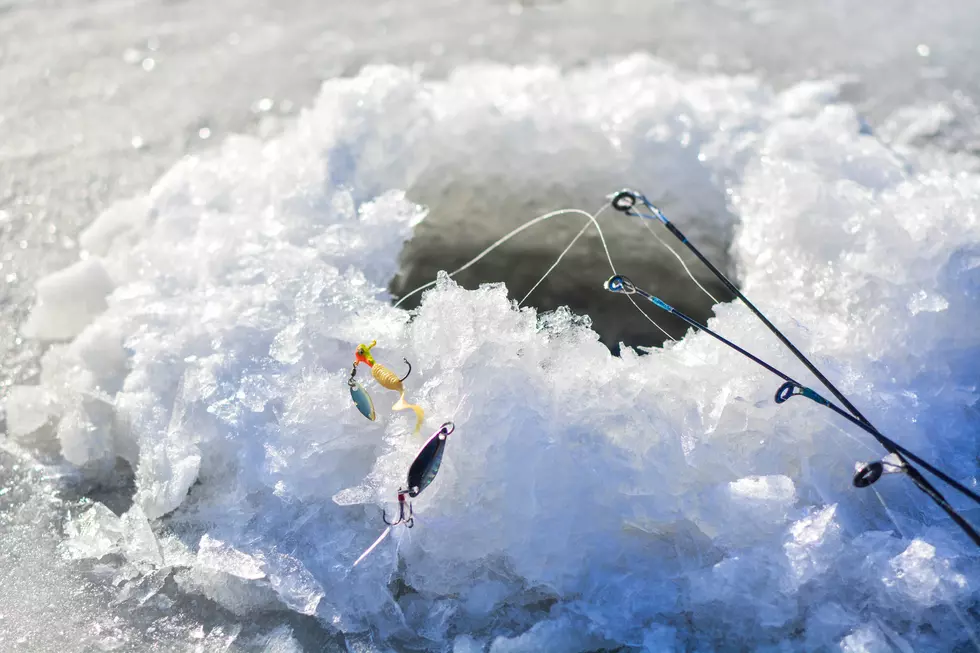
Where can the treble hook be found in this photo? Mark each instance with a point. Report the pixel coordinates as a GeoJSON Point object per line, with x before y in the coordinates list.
{"type": "Point", "coordinates": [409, 521]}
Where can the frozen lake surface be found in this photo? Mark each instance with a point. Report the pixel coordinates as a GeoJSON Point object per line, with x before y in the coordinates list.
{"type": "Point", "coordinates": [697, 511]}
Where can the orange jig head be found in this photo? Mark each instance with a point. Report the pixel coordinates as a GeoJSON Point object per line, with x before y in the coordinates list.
{"type": "Point", "coordinates": [363, 354]}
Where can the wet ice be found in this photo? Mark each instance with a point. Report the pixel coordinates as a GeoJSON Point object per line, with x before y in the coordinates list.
{"type": "Point", "coordinates": [585, 501]}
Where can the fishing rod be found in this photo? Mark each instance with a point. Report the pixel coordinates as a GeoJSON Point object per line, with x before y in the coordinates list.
{"type": "Point", "coordinates": [866, 474]}
{"type": "Point", "coordinates": [625, 201]}
{"type": "Point", "coordinates": [791, 387]}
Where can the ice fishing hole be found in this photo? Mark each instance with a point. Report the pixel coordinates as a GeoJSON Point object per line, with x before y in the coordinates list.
{"type": "Point", "coordinates": [468, 214]}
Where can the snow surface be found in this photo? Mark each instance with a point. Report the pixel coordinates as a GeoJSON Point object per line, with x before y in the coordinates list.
{"type": "Point", "coordinates": [659, 502]}
{"type": "Point", "coordinates": [98, 98]}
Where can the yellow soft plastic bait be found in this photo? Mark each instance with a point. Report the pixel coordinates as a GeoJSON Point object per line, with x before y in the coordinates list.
{"type": "Point", "coordinates": [387, 379]}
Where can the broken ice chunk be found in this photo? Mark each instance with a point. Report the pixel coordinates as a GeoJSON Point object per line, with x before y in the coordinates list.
{"type": "Point", "coordinates": [812, 545]}
{"type": "Point", "coordinates": [143, 588]}
{"type": "Point", "coordinates": [922, 576]}
{"type": "Point", "coordinates": [254, 393]}
{"type": "Point", "coordinates": [866, 639]}
{"type": "Point", "coordinates": [141, 543]}
{"type": "Point", "coordinates": [280, 640]}
{"type": "Point", "coordinates": [287, 347]}
{"type": "Point", "coordinates": [29, 407]}
{"type": "Point", "coordinates": [924, 302]}
{"type": "Point", "coordinates": [95, 533]}
{"type": "Point", "coordinates": [353, 496]}
{"type": "Point", "coordinates": [122, 218]}
{"type": "Point", "coordinates": [295, 585]}
{"type": "Point", "coordinates": [220, 556]}
{"type": "Point", "coordinates": [68, 300]}
{"type": "Point", "coordinates": [748, 509]}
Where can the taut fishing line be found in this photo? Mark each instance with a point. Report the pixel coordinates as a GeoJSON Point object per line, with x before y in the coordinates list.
{"type": "Point", "coordinates": [503, 239]}
{"type": "Point", "coordinates": [547, 216]}
{"type": "Point", "coordinates": [679, 260]}
{"type": "Point", "coordinates": [594, 220]}
{"type": "Point", "coordinates": [650, 320]}
{"type": "Point", "coordinates": [970, 633]}
{"type": "Point", "coordinates": [585, 227]}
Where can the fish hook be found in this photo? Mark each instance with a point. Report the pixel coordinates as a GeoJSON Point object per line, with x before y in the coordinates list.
{"type": "Point", "coordinates": [409, 521]}
{"type": "Point", "coordinates": [409, 370]}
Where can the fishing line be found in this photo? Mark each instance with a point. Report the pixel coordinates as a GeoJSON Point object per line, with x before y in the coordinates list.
{"type": "Point", "coordinates": [547, 216]}
{"type": "Point", "coordinates": [581, 232]}
{"type": "Point", "coordinates": [381, 538]}
{"type": "Point", "coordinates": [508, 236]}
{"type": "Point", "coordinates": [970, 633]}
{"type": "Point", "coordinates": [881, 499]}
{"type": "Point", "coordinates": [851, 437]}
{"type": "Point", "coordinates": [890, 513]}
{"type": "Point", "coordinates": [625, 202]}
{"type": "Point", "coordinates": [622, 285]}
{"type": "Point", "coordinates": [650, 320]}
{"type": "Point", "coordinates": [678, 257]}
{"type": "Point", "coordinates": [585, 228]}
{"type": "Point", "coordinates": [465, 396]}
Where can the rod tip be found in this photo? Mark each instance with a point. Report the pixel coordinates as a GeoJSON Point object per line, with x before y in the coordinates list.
{"type": "Point", "coordinates": [624, 200]}
{"type": "Point", "coordinates": [620, 284]}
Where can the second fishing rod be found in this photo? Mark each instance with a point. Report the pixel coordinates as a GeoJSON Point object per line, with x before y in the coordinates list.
{"type": "Point", "coordinates": [869, 473]}
{"type": "Point", "coordinates": [626, 201]}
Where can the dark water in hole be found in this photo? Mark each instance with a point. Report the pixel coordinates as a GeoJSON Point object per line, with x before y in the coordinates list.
{"type": "Point", "coordinates": [444, 242]}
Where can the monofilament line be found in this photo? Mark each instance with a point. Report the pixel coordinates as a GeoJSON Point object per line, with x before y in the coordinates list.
{"type": "Point", "coordinates": [650, 319]}
{"type": "Point", "coordinates": [594, 220]}
{"type": "Point", "coordinates": [585, 227]}
{"type": "Point", "coordinates": [527, 225]}
{"type": "Point", "coordinates": [970, 633]}
{"type": "Point", "coordinates": [504, 239]}
{"type": "Point", "coordinates": [678, 257]}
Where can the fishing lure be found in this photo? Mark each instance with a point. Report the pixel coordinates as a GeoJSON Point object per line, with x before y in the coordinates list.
{"type": "Point", "coordinates": [387, 379]}
{"type": "Point", "coordinates": [420, 475]}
